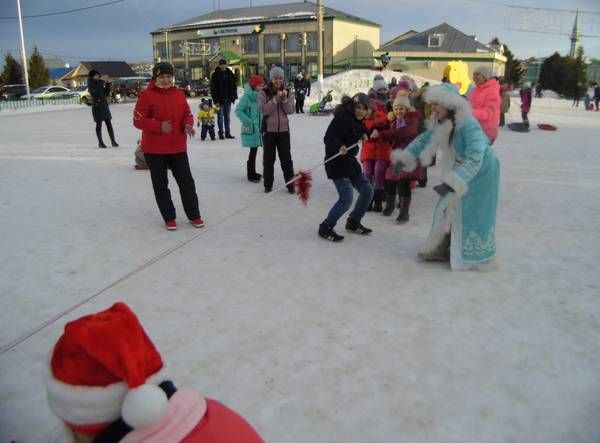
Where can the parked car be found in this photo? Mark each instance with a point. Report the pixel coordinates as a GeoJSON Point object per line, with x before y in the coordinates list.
{"type": "Point", "coordinates": [194, 88]}
{"type": "Point", "coordinates": [84, 95]}
{"type": "Point", "coordinates": [48, 92]}
{"type": "Point", "coordinates": [129, 86]}
{"type": "Point", "coordinates": [11, 92]}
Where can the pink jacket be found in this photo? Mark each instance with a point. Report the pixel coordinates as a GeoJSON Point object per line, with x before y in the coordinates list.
{"type": "Point", "coordinates": [190, 418]}
{"type": "Point", "coordinates": [485, 101]}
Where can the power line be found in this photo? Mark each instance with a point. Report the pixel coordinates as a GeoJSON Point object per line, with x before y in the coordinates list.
{"type": "Point", "coordinates": [65, 12]}
{"type": "Point", "coordinates": [80, 57]}
{"type": "Point", "coordinates": [533, 7]}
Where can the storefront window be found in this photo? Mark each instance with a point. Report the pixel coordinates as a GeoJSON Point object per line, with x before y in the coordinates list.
{"type": "Point", "coordinates": [250, 44]}
{"type": "Point", "coordinates": [161, 50]}
{"type": "Point", "coordinates": [293, 42]}
{"type": "Point", "coordinates": [312, 41]}
{"type": "Point", "coordinates": [272, 43]}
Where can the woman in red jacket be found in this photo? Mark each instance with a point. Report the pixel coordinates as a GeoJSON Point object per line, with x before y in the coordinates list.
{"type": "Point", "coordinates": [163, 115]}
{"type": "Point", "coordinates": [485, 101]}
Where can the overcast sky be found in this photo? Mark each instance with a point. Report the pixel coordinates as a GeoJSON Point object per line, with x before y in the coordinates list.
{"type": "Point", "coordinates": [121, 31]}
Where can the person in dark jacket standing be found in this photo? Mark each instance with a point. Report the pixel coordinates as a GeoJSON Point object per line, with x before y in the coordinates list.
{"type": "Point", "coordinates": [224, 93]}
{"type": "Point", "coordinates": [346, 129]}
{"type": "Point", "coordinates": [99, 89]}
{"type": "Point", "coordinates": [301, 91]}
{"type": "Point", "coordinates": [275, 103]}
{"type": "Point", "coordinates": [163, 115]}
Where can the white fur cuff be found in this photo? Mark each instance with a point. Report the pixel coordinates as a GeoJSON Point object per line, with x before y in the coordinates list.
{"type": "Point", "coordinates": [455, 182]}
{"type": "Point", "coordinates": [399, 155]}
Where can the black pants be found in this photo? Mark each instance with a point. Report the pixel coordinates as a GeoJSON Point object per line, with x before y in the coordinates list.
{"type": "Point", "coordinates": [525, 119]}
{"type": "Point", "coordinates": [277, 143]}
{"type": "Point", "coordinates": [502, 120]}
{"type": "Point", "coordinates": [252, 155]}
{"type": "Point", "coordinates": [402, 186]}
{"type": "Point", "coordinates": [207, 128]}
{"type": "Point", "coordinates": [180, 168]}
{"type": "Point", "coordinates": [299, 103]}
{"type": "Point", "coordinates": [111, 132]}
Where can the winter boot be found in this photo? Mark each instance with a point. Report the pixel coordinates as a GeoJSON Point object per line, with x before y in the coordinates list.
{"type": "Point", "coordinates": [99, 135]}
{"type": "Point", "coordinates": [377, 199]}
{"type": "Point", "coordinates": [441, 253]}
{"type": "Point", "coordinates": [251, 172]}
{"type": "Point", "coordinates": [390, 199]}
{"type": "Point", "coordinates": [327, 232]}
{"type": "Point", "coordinates": [291, 189]}
{"type": "Point", "coordinates": [355, 226]}
{"type": "Point", "coordinates": [404, 207]}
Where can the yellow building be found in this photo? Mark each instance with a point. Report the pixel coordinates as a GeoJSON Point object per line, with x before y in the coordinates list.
{"type": "Point", "coordinates": [428, 53]}
{"type": "Point", "coordinates": [254, 38]}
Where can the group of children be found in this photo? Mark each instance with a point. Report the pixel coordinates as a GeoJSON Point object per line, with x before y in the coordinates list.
{"type": "Point", "coordinates": [385, 120]}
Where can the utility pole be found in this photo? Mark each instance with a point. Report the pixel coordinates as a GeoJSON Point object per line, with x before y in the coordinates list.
{"type": "Point", "coordinates": [320, 36]}
{"type": "Point", "coordinates": [23, 55]}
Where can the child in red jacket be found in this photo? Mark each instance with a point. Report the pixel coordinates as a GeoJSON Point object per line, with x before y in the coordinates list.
{"type": "Point", "coordinates": [106, 381]}
{"type": "Point", "coordinates": [163, 115]}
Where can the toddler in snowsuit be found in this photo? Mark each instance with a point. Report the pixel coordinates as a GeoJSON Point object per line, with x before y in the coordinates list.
{"type": "Point", "coordinates": [206, 118]}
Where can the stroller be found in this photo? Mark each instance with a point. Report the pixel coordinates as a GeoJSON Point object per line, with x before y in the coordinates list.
{"type": "Point", "coordinates": [319, 108]}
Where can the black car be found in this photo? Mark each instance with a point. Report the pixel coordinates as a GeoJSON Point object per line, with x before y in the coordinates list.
{"type": "Point", "coordinates": [195, 88]}
{"type": "Point", "coordinates": [11, 92]}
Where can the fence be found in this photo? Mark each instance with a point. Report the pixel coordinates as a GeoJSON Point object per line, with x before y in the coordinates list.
{"type": "Point", "coordinates": [12, 105]}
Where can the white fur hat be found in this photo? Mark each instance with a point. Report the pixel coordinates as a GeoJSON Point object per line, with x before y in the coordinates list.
{"type": "Point", "coordinates": [447, 95]}
{"type": "Point", "coordinates": [402, 100]}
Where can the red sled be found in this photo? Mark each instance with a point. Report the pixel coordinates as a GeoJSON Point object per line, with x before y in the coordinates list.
{"type": "Point", "coordinates": [547, 127]}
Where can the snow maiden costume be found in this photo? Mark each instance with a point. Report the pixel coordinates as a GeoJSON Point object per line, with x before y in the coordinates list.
{"type": "Point", "coordinates": [464, 219]}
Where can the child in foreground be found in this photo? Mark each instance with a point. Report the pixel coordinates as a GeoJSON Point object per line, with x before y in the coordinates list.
{"type": "Point", "coordinates": [106, 381]}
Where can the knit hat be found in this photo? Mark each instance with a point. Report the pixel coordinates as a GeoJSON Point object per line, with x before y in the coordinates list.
{"type": "Point", "coordinates": [402, 100]}
{"type": "Point", "coordinates": [379, 83]}
{"type": "Point", "coordinates": [276, 71]}
{"type": "Point", "coordinates": [92, 73]}
{"type": "Point", "coordinates": [99, 370]}
{"type": "Point", "coordinates": [256, 80]}
{"type": "Point", "coordinates": [162, 68]}
{"type": "Point", "coordinates": [484, 71]}
{"type": "Point", "coordinates": [222, 61]}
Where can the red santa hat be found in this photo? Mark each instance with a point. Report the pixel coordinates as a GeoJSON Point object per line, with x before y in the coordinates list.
{"type": "Point", "coordinates": [104, 367]}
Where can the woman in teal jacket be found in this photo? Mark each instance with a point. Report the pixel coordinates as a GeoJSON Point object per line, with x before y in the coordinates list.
{"type": "Point", "coordinates": [464, 220]}
{"type": "Point", "coordinates": [251, 118]}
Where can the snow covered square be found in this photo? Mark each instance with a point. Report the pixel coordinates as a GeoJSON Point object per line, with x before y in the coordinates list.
{"type": "Point", "coordinates": [311, 341]}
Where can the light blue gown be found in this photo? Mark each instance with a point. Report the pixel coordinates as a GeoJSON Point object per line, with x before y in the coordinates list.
{"type": "Point", "coordinates": [470, 166]}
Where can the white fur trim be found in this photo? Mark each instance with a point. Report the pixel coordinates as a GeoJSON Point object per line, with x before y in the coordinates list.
{"type": "Point", "coordinates": [455, 182]}
{"type": "Point", "coordinates": [81, 405]}
{"type": "Point", "coordinates": [439, 139]}
{"type": "Point", "coordinates": [399, 155]}
{"type": "Point", "coordinates": [450, 208]}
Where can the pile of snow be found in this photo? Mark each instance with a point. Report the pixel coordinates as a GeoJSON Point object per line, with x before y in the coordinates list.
{"type": "Point", "coordinates": [354, 81]}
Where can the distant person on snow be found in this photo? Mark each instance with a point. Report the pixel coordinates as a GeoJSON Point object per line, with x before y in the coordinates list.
{"type": "Point", "coordinates": [301, 91]}
{"type": "Point", "coordinates": [164, 116]}
{"type": "Point", "coordinates": [250, 117]}
{"type": "Point", "coordinates": [100, 89]}
{"type": "Point", "coordinates": [224, 94]}
{"type": "Point", "coordinates": [485, 101]}
{"type": "Point", "coordinates": [526, 99]}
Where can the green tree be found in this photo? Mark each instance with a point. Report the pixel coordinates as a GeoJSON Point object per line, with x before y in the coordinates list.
{"type": "Point", "coordinates": [38, 73]}
{"type": "Point", "coordinates": [13, 72]}
{"type": "Point", "coordinates": [554, 73]}
{"type": "Point", "coordinates": [576, 75]}
{"type": "Point", "coordinates": [513, 70]}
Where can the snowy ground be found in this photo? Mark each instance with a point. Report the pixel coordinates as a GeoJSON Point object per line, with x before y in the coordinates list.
{"type": "Point", "coordinates": [309, 340]}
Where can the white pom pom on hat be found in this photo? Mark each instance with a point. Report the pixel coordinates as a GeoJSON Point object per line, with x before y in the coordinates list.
{"type": "Point", "coordinates": [144, 406]}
